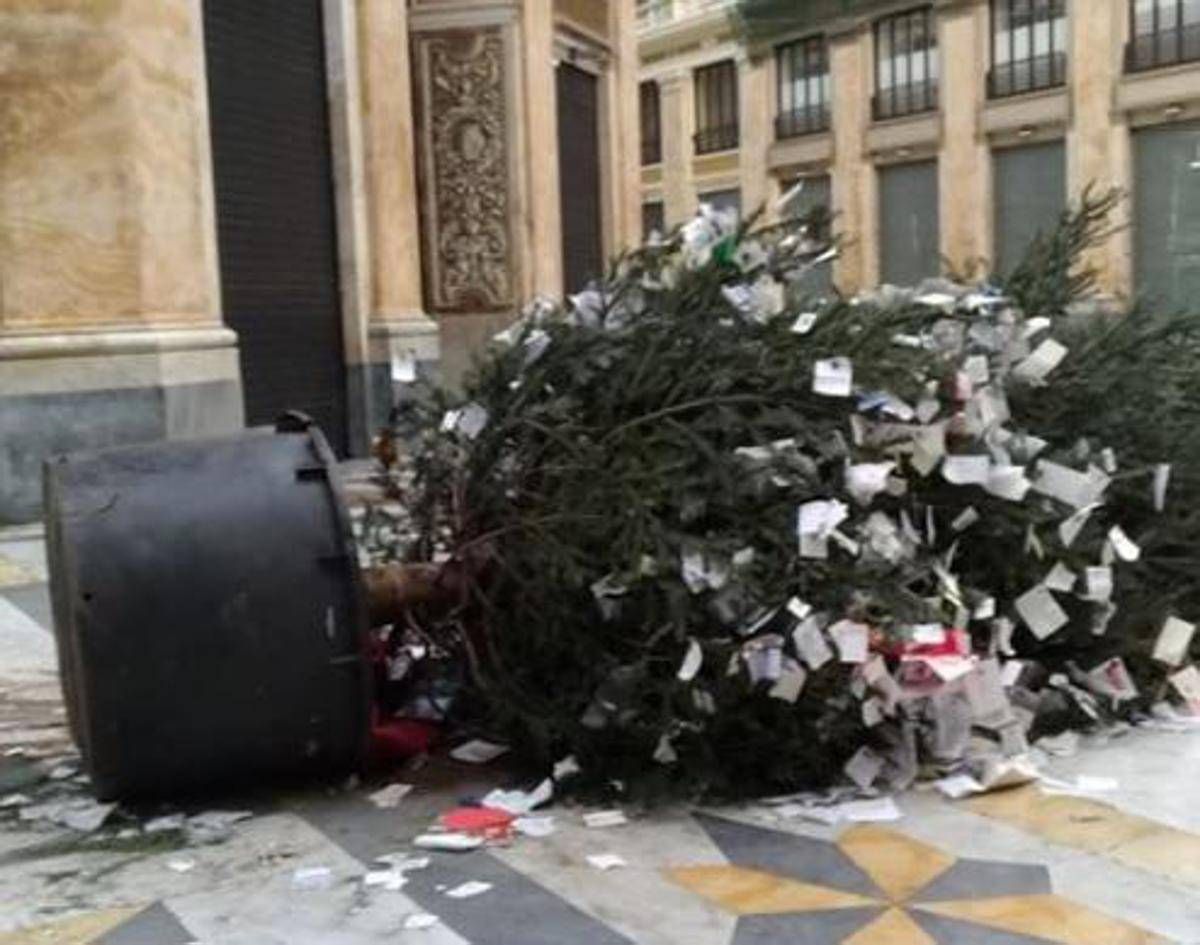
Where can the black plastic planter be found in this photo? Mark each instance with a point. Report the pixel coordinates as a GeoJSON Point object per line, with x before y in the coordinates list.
{"type": "Point", "coordinates": [209, 611]}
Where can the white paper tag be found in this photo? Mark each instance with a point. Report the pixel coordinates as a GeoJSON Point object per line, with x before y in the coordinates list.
{"type": "Point", "coordinates": [833, 377]}
{"type": "Point", "coordinates": [851, 639]}
{"type": "Point", "coordinates": [1173, 641]}
{"type": "Point", "coordinates": [1061, 578]}
{"type": "Point", "coordinates": [692, 661]}
{"type": "Point", "coordinates": [1041, 612]}
{"type": "Point", "coordinates": [967, 470]}
{"type": "Point", "coordinates": [790, 682]}
{"type": "Point", "coordinates": [1123, 545]}
{"type": "Point", "coordinates": [804, 323]}
{"type": "Point", "coordinates": [810, 643]}
{"type": "Point", "coordinates": [864, 767]}
{"type": "Point", "coordinates": [1044, 359]}
{"type": "Point", "coordinates": [404, 366]}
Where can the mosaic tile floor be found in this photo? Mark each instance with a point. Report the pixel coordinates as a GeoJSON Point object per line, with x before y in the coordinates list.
{"type": "Point", "coordinates": [1013, 868]}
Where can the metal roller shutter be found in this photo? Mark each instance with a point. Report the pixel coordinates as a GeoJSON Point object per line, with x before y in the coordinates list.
{"type": "Point", "coordinates": [908, 222]}
{"type": "Point", "coordinates": [276, 233]}
{"type": "Point", "coordinates": [1031, 194]}
{"type": "Point", "coordinates": [1167, 215]}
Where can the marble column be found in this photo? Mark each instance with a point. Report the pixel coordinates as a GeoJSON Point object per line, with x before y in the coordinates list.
{"type": "Point", "coordinates": [110, 323]}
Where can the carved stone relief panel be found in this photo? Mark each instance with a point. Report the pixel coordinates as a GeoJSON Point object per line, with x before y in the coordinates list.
{"type": "Point", "coordinates": [463, 147]}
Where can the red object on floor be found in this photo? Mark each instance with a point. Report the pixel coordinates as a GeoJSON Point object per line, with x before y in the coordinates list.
{"type": "Point", "coordinates": [481, 821]}
{"type": "Point", "coordinates": [394, 740]}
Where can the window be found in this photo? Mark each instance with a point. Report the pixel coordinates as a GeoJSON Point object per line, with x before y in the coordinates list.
{"type": "Point", "coordinates": [803, 91]}
{"type": "Point", "coordinates": [906, 64]}
{"type": "Point", "coordinates": [653, 219]}
{"type": "Point", "coordinates": [1164, 32]}
{"type": "Point", "coordinates": [724, 200]}
{"type": "Point", "coordinates": [811, 204]}
{"type": "Point", "coordinates": [651, 123]}
{"type": "Point", "coordinates": [716, 107]}
{"type": "Point", "coordinates": [1029, 46]}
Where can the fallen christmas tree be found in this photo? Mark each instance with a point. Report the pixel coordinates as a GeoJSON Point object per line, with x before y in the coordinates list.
{"type": "Point", "coordinates": [713, 537]}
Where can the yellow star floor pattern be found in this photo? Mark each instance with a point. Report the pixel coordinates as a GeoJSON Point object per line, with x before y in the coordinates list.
{"type": "Point", "coordinates": [876, 886]}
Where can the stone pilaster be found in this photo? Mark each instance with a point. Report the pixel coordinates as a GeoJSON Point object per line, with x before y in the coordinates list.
{"type": "Point", "coordinates": [110, 326]}
{"type": "Point", "coordinates": [964, 161]}
{"type": "Point", "coordinates": [853, 178]}
{"type": "Point", "coordinates": [625, 130]}
{"type": "Point", "coordinates": [756, 106]}
{"type": "Point", "coordinates": [1098, 142]}
{"type": "Point", "coordinates": [678, 123]}
{"type": "Point", "coordinates": [397, 330]}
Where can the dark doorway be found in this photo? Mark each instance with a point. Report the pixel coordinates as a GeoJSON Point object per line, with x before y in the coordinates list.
{"type": "Point", "coordinates": [579, 176]}
{"type": "Point", "coordinates": [276, 235]}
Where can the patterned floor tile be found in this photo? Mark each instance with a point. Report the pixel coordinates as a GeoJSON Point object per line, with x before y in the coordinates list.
{"type": "Point", "coordinates": [912, 880]}
{"type": "Point", "coordinates": [1096, 827]}
{"type": "Point", "coordinates": [155, 925]}
{"type": "Point", "coordinates": [78, 930]}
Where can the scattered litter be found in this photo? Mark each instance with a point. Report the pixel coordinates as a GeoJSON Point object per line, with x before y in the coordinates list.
{"type": "Point", "coordinates": [392, 880]}
{"type": "Point", "coordinates": [181, 865]}
{"type": "Point", "coordinates": [482, 821]}
{"type": "Point", "coordinates": [519, 802]}
{"type": "Point", "coordinates": [565, 768]}
{"type": "Point", "coordinates": [214, 825]}
{"type": "Point", "coordinates": [468, 889]}
{"type": "Point", "coordinates": [869, 811]}
{"type": "Point", "coordinates": [390, 796]}
{"type": "Point", "coordinates": [403, 862]}
{"type": "Point", "coordinates": [62, 772]}
{"type": "Point", "coordinates": [312, 877]}
{"type": "Point", "coordinates": [1083, 785]}
{"type": "Point", "coordinates": [164, 824]}
{"type": "Point", "coordinates": [534, 826]}
{"type": "Point", "coordinates": [415, 921]}
{"type": "Point", "coordinates": [1063, 745]}
{"type": "Point", "coordinates": [449, 842]}
{"type": "Point", "coordinates": [81, 814]}
{"type": "Point", "coordinates": [606, 861]}
{"type": "Point", "coordinates": [478, 752]}
{"type": "Point", "coordinates": [605, 818]}
{"type": "Point", "coordinates": [958, 786]}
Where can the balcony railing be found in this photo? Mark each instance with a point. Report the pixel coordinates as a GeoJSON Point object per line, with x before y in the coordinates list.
{"type": "Point", "coordinates": [1027, 75]}
{"type": "Point", "coordinates": [1167, 47]}
{"type": "Point", "coordinates": [653, 13]}
{"type": "Point", "coordinates": [910, 99]}
{"type": "Point", "coordinates": [716, 138]}
{"type": "Point", "coordinates": [810, 120]}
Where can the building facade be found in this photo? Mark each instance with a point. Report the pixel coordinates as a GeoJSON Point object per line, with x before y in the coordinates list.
{"type": "Point", "coordinates": [942, 134]}
{"type": "Point", "coordinates": [215, 210]}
